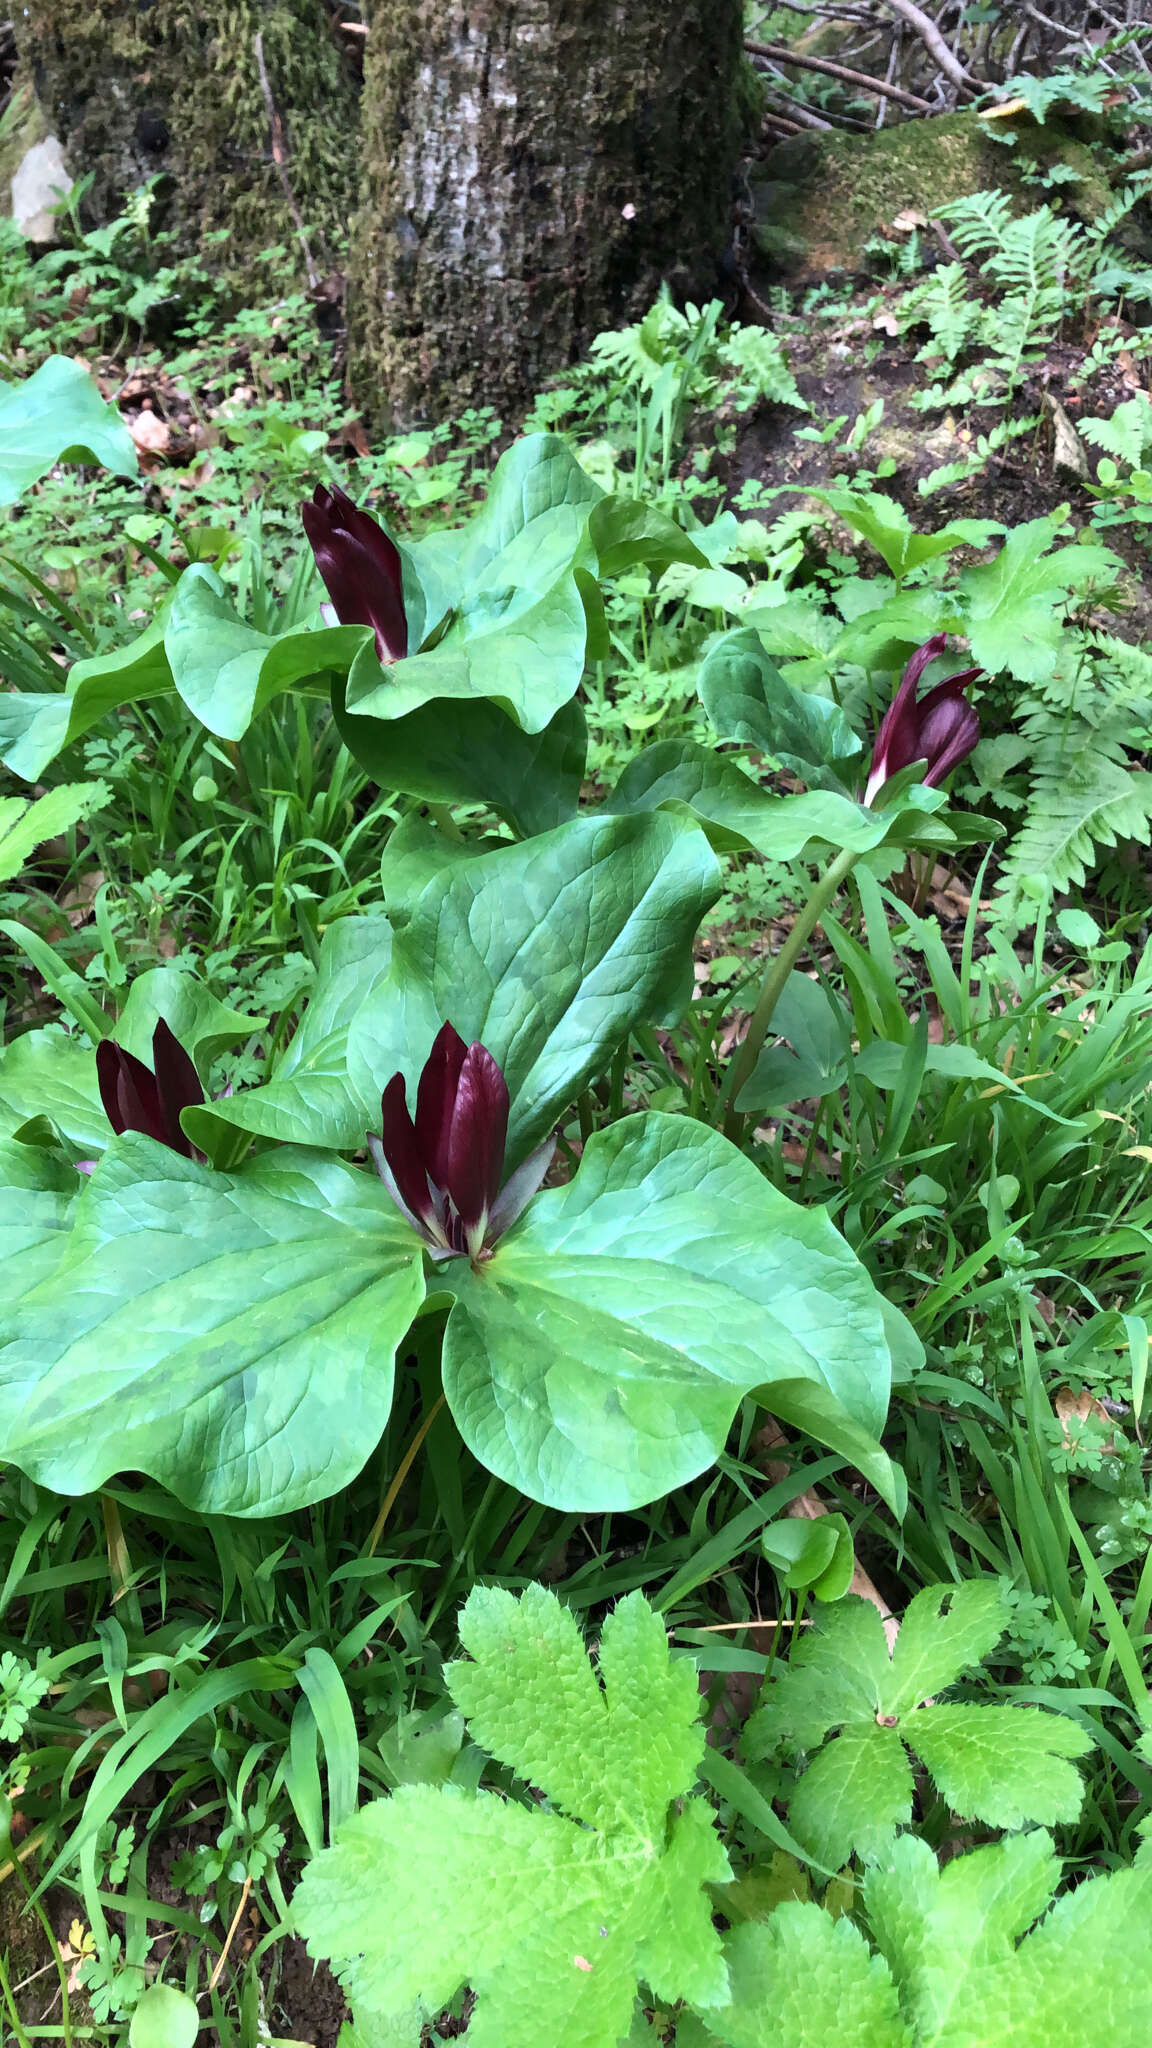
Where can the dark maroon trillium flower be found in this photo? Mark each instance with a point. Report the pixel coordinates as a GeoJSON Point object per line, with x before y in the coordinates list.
{"type": "Point", "coordinates": [942, 730]}
{"type": "Point", "coordinates": [360, 567]}
{"type": "Point", "coordinates": [136, 1100]}
{"type": "Point", "coordinates": [444, 1171]}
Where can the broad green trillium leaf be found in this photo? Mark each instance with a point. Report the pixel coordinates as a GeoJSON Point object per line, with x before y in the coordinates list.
{"type": "Point", "coordinates": [308, 1099]}
{"type": "Point", "coordinates": [231, 1336]}
{"type": "Point", "coordinates": [34, 727]}
{"type": "Point", "coordinates": [737, 812]}
{"type": "Point", "coordinates": [36, 1197]}
{"type": "Point", "coordinates": [505, 589]}
{"type": "Point", "coordinates": [49, 1074]}
{"type": "Point", "coordinates": [598, 1358]}
{"type": "Point", "coordinates": [58, 415]}
{"type": "Point", "coordinates": [747, 699]}
{"type": "Point", "coordinates": [547, 953]}
{"type": "Point", "coordinates": [472, 752]}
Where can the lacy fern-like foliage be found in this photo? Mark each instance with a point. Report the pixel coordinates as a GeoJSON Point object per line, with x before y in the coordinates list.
{"type": "Point", "coordinates": [1085, 793]}
{"type": "Point", "coordinates": [550, 1914]}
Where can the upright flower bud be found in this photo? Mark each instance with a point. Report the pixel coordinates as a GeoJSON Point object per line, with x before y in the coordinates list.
{"type": "Point", "coordinates": [941, 731]}
{"type": "Point", "coordinates": [136, 1100]}
{"type": "Point", "coordinates": [444, 1170]}
{"type": "Point", "coordinates": [360, 567]}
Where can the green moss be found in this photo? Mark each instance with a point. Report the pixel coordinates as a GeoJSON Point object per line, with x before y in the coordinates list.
{"type": "Point", "coordinates": [836, 190]}
{"type": "Point", "coordinates": [175, 90]}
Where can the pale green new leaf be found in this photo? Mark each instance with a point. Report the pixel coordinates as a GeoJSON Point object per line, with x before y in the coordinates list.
{"type": "Point", "coordinates": [550, 1922]}
{"type": "Point", "coordinates": [804, 1980]}
{"type": "Point", "coordinates": [852, 1795]}
{"type": "Point", "coordinates": [835, 1674]}
{"type": "Point", "coordinates": [1014, 603]}
{"type": "Point", "coordinates": [1002, 1765]}
{"type": "Point", "coordinates": [611, 1755]}
{"type": "Point", "coordinates": [945, 1630]}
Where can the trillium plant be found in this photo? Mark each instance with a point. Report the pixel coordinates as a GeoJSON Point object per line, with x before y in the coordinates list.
{"type": "Point", "coordinates": [446, 1156]}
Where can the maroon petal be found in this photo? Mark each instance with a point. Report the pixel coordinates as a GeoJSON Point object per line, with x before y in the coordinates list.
{"type": "Point", "coordinates": [436, 1100]}
{"type": "Point", "coordinates": [177, 1083]}
{"type": "Point", "coordinates": [402, 1152]}
{"type": "Point", "coordinates": [950, 730]}
{"type": "Point", "coordinates": [129, 1093]}
{"type": "Point", "coordinates": [477, 1138]}
{"type": "Point", "coordinates": [360, 567]}
{"type": "Point", "coordinates": [896, 740]}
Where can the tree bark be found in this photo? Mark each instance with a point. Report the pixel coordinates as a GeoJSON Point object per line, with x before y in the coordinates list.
{"type": "Point", "coordinates": [533, 170]}
{"type": "Point", "coordinates": [250, 139]}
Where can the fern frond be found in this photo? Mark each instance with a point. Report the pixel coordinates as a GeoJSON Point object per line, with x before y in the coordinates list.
{"type": "Point", "coordinates": [1075, 807]}
{"type": "Point", "coordinates": [1127, 434]}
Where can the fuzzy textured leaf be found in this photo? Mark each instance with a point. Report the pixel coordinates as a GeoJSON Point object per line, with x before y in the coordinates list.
{"type": "Point", "coordinates": [550, 1922]}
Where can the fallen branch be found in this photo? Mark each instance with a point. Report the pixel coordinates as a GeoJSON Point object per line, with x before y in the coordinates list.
{"type": "Point", "coordinates": [933, 42]}
{"type": "Point", "coordinates": [780, 53]}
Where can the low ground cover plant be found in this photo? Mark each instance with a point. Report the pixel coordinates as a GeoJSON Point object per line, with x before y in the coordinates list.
{"type": "Point", "coordinates": [573, 1057]}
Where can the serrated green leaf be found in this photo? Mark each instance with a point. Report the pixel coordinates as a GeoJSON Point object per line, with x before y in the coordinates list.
{"type": "Point", "coordinates": [836, 1673]}
{"type": "Point", "coordinates": [855, 1792]}
{"type": "Point", "coordinates": [550, 1922]}
{"type": "Point", "coordinates": [945, 1630]}
{"type": "Point", "coordinates": [1007, 1766]}
{"type": "Point", "coordinates": [25, 826]}
{"type": "Point", "coordinates": [614, 1757]}
{"type": "Point", "coordinates": [805, 1980]}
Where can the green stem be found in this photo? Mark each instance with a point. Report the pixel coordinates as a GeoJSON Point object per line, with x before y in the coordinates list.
{"type": "Point", "coordinates": [748, 1052]}
{"type": "Point", "coordinates": [442, 816]}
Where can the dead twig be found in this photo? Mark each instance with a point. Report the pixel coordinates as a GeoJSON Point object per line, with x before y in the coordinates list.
{"type": "Point", "coordinates": [934, 43]}
{"type": "Point", "coordinates": [780, 53]}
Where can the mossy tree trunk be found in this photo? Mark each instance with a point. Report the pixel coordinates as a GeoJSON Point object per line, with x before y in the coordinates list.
{"type": "Point", "coordinates": [533, 170]}
{"type": "Point", "coordinates": [228, 101]}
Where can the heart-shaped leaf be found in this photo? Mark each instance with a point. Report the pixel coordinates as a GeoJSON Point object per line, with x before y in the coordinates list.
{"type": "Point", "coordinates": [58, 415]}
{"type": "Point", "coordinates": [231, 1336]}
{"type": "Point", "coordinates": [597, 1359]}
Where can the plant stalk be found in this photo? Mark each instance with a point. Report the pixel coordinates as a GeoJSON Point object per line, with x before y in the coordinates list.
{"type": "Point", "coordinates": [748, 1051]}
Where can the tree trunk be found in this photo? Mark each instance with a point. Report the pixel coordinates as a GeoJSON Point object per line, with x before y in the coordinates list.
{"type": "Point", "coordinates": [533, 169]}
{"type": "Point", "coordinates": [254, 139]}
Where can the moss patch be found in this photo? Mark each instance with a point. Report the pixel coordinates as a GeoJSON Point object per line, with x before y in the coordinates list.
{"type": "Point", "coordinates": [835, 190]}
{"type": "Point", "coordinates": [172, 89]}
